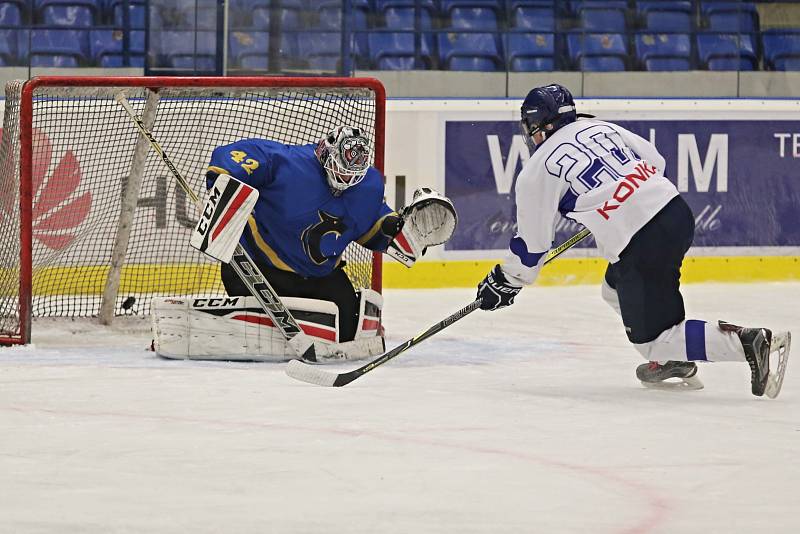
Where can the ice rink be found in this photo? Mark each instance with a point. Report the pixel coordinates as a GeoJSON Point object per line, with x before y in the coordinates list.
{"type": "Point", "coordinates": [525, 420]}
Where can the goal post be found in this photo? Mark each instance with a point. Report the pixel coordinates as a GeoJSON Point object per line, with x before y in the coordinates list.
{"type": "Point", "coordinates": [91, 222]}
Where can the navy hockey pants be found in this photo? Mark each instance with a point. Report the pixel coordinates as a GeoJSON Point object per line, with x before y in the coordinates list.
{"type": "Point", "coordinates": [647, 275]}
{"type": "Point", "coordinates": [336, 288]}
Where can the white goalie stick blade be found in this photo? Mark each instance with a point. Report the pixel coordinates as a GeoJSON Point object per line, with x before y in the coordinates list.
{"type": "Point", "coordinates": [781, 343]}
{"type": "Point", "coordinates": [310, 373]}
{"type": "Point", "coordinates": [678, 384]}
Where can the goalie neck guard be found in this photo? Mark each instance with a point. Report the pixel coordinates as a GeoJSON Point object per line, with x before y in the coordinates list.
{"type": "Point", "coordinates": [345, 154]}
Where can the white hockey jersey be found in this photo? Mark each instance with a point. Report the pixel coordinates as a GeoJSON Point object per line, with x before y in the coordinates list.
{"type": "Point", "coordinates": [596, 173]}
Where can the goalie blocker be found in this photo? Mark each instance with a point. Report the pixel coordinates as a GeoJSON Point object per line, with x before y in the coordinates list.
{"type": "Point", "coordinates": [237, 329]}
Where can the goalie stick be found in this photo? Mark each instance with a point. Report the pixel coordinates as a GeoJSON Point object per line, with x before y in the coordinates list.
{"type": "Point", "coordinates": [314, 375]}
{"type": "Point", "coordinates": [241, 262]}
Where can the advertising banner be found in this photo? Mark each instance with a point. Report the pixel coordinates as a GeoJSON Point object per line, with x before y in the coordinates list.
{"type": "Point", "coordinates": [740, 178]}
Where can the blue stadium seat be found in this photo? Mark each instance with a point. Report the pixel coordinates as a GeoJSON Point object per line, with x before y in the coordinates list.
{"type": "Point", "coordinates": [59, 48]}
{"type": "Point", "coordinates": [495, 5]}
{"type": "Point", "coordinates": [718, 51]}
{"type": "Point", "coordinates": [72, 13]}
{"type": "Point", "coordinates": [601, 64]}
{"type": "Point", "coordinates": [427, 6]}
{"type": "Point", "coordinates": [781, 49]}
{"type": "Point", "coordinates": [290, 15]}
{"type": "Point", "coordinates": [730, 16]}
{"type": "Point", "coordinates": [472, 14]}
{"type": "Point", "coordinates": [249, 50]}
{"type": "Point", "coordinates": [664, 52]}
{"type": "Point", "coordinates": [666, 15]}
{"type": "Point", "coordinates": [12, 46]}
{"type": "Point", "coordinates": [10, 14]}
{"type": "Point", "coordinates": [473, 18]}
{"type": "Point", "coordinates": [469, 51]}
{"type": "Point", "coordinates": [395, 51]}
{"type": "Point", "coordinates": [183, 14]}
{"type": "Point", "coordinates": [597, 51]}
{"type": "Point", "coordinates": [185, 49]}
{"type": "Point", "coordinates": [323, 50]}
{"type": "Point", "coordinates": [106, 48]}
{"type": "Point", "coordinates": [601, 16]}
{"type": "Point", "coordinates": [531, 52]}
{"type": "Point", "coordinates": [538, 17]}
{"type": "Point", "coordinates": [330, 14]}
{"type": "Point", "coordinates": [403, 18]}
{"type": "Point", "coordinates": [137, 13]}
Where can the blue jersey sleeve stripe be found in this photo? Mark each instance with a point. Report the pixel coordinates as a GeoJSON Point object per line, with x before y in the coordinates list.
{"type": "Point", "coordinates": [520, 249]}
{"type": "Point", "coordinates": [695, 340]}
{"type": "Point", "coordinates": [364, 239]}
{"type": "Point", "coordinates": [218, 170]}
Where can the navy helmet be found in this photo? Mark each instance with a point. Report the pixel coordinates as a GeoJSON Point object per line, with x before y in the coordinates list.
{"type": "Point", "coordinates": [546, 109]}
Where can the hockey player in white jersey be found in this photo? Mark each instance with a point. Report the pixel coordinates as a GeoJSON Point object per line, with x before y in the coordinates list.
{"type": "Point", "coordinates": [612, 181]}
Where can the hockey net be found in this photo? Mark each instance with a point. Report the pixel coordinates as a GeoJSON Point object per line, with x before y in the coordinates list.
{"type": "Point", "coordinates": [92, 223]}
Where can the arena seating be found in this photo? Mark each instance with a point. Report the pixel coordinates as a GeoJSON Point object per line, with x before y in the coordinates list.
{"type": "Point", "coordinates": [59, 48]}
{"type": "Point", "coordinates": [519, 35]}
{"type": "Point", "coordinates": [106, 48]}
{"type": "Point", "coordinates": [395, 51]}
{"type": "Point", "coordinates": [664, 52]}
{"type": "Point", "coordinates": [597, 51]}
{"type": "Point", "coordinates": [531, 52]}
{"type": "Point", "coordinates": [666, 16]}
{"type": "Point", "coordinates": [717, 51]}
{"type": "Point", "coordinates": [781, 49]}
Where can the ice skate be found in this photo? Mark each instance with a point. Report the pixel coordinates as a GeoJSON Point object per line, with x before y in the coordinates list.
{"type": "Point", "coordinates": [658, 376]}
{"type": "Point", "coordinates": [758, 344]}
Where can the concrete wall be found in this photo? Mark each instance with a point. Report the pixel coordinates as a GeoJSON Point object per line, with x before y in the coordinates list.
{"type": "Point", "coordinates": [697, 84]}
{"type": "Point", "coordinates": [443, 84]}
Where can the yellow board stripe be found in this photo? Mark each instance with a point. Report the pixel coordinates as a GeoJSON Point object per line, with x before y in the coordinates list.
{"type": "Point", "coordinates": [574, 271]}
{"type": "Point", "coordinates": [168, 279]}
{"type": "Point", "coordinates": [184, 279]}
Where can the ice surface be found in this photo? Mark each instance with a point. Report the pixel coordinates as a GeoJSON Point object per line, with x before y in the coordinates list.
{"type": "Point", "coordinates": [524, 420]}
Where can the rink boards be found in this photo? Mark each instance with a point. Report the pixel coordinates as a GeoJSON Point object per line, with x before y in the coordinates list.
{"type": "Point", "coordinates": [734, 161]}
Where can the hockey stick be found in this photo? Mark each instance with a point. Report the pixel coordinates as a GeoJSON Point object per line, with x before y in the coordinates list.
{"type": "Point", "coordinates": [241, 262]}
{"type": "Point", "coordinates": [314, 375]}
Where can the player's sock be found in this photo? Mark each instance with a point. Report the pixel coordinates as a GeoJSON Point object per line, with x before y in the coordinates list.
{"type": "Point", "coordinates": [693, 340]}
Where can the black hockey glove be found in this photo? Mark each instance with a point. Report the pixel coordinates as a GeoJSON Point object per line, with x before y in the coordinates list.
{"type": "Point", "coordinates": [495, 292]}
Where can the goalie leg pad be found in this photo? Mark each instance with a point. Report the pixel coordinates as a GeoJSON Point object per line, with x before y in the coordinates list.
{"type": "Point", "coordinates": [236, 329]}
{"type": "Point", "coordinates": [370, 308]}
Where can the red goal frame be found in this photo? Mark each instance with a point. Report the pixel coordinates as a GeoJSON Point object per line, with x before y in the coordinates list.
{"type": "Point", "coordinates": [154, 83]}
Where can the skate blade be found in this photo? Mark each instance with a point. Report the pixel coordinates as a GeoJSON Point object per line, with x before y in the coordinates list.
{"type": "Point", "coordinates": [781, 343]}
{"type": "Point", "coordinates": [681, 384]}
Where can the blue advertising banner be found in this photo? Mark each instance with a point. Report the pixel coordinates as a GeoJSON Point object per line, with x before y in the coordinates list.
{"type": "Point", "coordinates": [740, 178]}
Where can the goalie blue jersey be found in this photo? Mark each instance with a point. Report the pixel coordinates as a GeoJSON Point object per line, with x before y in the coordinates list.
{"type": "Point", "coordinates": [298, 225]}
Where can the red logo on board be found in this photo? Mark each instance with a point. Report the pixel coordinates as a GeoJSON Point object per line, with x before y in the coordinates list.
{"type": "Point", "coordinates": [57, 209]}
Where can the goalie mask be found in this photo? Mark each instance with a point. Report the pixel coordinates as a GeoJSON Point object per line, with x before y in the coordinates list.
{"type": "Point", "coordinates": [346, 156]}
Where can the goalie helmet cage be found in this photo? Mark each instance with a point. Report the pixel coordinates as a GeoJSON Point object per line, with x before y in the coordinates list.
{"type": "Point", "coordinates": [92, 224]}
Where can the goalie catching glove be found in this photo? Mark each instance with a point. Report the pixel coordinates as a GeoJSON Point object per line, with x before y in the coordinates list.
{"type": "Point", "coordinates": [429, 220]}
